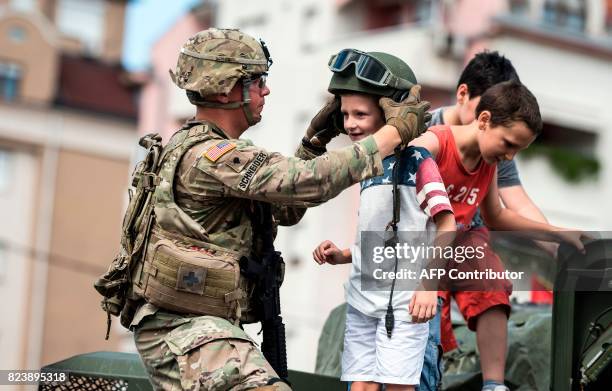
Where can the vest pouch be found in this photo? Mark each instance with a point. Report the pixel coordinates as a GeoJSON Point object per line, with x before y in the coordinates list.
{"type": "Point", "coordinates": [194, 280]}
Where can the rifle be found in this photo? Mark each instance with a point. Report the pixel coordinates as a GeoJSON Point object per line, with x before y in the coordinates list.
{"type": "Point", "coordinates": [266, 270]}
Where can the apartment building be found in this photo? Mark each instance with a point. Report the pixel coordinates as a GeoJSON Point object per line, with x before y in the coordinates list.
{"type": "Point", "coordinates": [562, 50]}
{"type": "Point", "coordinates": [163, 106]}
{"type": "Point", "coordinates": [67, 135]}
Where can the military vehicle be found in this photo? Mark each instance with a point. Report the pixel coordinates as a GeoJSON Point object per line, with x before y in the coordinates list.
{"type": "Point", "coordinates": [566, 346]}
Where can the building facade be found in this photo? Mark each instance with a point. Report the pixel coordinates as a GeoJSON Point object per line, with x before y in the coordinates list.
{"type": "Point", "coordinates": [67, 135]}
{"type": "Point", "coordinates": [562, 50]}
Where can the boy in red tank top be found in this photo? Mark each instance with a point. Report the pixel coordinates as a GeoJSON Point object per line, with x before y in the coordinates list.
{"type": "Point", "coordinates": [507, 121]}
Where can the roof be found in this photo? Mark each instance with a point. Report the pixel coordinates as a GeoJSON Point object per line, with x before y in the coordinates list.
{"type": "Point", "coordinates": [90, 84]}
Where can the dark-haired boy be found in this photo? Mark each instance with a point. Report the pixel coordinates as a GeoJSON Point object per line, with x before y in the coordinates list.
{"type": "Point", "coordinates": [482, 72]}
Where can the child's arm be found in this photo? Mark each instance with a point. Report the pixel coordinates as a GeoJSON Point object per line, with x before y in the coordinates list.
{"type": "Point", "coordinates": [504, 219]}
{"type": "Point", "coordinates": [429, 141]}
{"type": "Point", "coordinates": [432, 196]}
{"type": "Point", "coordinates": [446, 226]}
{"type": "Point", "coordinates": [423, 304]}
{"type": "Point", "coordinates": [327, 252]}
{"type": "Point", "coordinates": [516, 198]}
{"type": "Point", "coordinates": [446, 229]}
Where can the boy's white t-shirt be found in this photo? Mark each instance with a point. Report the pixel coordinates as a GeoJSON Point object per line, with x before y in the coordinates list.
{"type": "Point", "coordinates": [422, 196]}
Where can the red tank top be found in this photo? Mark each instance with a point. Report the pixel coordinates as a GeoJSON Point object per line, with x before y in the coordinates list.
{"type": "Point", "coordinates": [466, 189]}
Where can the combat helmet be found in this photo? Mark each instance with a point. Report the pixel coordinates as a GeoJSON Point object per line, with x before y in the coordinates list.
{"type": "Point", "coordinates": [213, 60]}
{"type": "Point", "coordinates": [373, 73]}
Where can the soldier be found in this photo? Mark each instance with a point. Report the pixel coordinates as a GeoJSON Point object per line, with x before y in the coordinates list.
{"type": "Point", "coordinates": [210, 216]}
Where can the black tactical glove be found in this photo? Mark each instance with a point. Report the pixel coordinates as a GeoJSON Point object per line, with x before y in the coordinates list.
{"type": "Point", "coordinates": [409, 116]}
{"type": "Point", "coordinates": [323, 126]}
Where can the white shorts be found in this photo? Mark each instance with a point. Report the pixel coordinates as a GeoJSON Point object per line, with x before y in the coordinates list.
{"type": "Point", "coordinates": [370, 356]}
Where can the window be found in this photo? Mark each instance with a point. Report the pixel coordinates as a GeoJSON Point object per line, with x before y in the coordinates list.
{"type": "Point", "coordinates": [422, 10]}
{"type": "Point", "coordinates": [608, 19]}
{"type": "Point", "coordinates": [565, 14]}
{"type": "Point", "coordinates": [519, 7]}
{"type": "Point", "coordinates": [23, 5]}
{"type": "Point", "coordinates": [253, 22]}
{"type": "Point", "coordinates": [17, 34]}
{"type": "Point", "coordinates": [3, 262]}
{"type": "Point", "coordinates": [570, 151]}
{"type": "Point", "coordinates": [5, 170]}
{"type": "Point", "coordinates": [83, 20]}
{"type": "Point", "coordinates": [380, 14]}
{"type": "Point", "coordinates": [387, 13]}
{"type": "Point", "coordinates": [309, 28]}
{"type": "Point", "coordinates": [10, 77]}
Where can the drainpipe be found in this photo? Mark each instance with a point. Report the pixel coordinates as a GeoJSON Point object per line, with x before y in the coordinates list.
{"type": "Point", "coordinates": [42, 244]}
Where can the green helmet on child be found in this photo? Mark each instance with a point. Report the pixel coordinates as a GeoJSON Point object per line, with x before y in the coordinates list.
{"type": "Point", "coordinates": [374, 73]}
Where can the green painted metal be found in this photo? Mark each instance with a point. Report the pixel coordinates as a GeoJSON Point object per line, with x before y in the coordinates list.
{"type": "Point", "coordinates": [128, 367]}
{"type": "Point", "coordinates": [562, 341]}
{"type": "Point", "coordinates": [574, 310]}
{"type": "Point", "coordinates": [302, 381]}
{"type": "Point", "coordinates": [113, 365]}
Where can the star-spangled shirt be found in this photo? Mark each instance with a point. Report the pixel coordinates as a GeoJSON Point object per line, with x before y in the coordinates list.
{"type": "Point", "coordinates": [422, 196]}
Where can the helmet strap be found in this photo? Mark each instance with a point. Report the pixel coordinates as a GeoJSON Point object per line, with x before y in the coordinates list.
{"type": "Point", "coordinates": [244, 103]}
{"type": "Point", "coordinates": [246, 99]}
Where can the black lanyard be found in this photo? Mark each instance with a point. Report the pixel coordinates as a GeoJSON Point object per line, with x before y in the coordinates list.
{"type": "Point", "coordinates": [391, 242]}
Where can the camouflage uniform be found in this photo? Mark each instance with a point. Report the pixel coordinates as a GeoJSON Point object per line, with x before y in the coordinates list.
{"type": "Point", "coordinates": [178, 281]}
{"type": "Point", "coordinates": [199, 353]}
{"type": "Point", "coordinates": [211, 353]}
{"type": "Point", "coordinates": [215, 184]}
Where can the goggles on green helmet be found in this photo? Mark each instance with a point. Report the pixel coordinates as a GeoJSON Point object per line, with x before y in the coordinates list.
{"type": "Point", "coordinates": [367, 69]}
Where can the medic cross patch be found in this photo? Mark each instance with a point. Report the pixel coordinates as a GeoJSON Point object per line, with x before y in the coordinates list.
{"type": "Point", "coordinates": [191, 279]}
{"type": "Point", "coordinates": [216, 151]}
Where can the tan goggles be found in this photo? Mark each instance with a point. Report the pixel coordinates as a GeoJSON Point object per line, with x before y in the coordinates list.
{"type": "Point", "coordinates": [367, 68]}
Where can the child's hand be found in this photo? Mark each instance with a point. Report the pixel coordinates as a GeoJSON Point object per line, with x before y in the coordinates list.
{"type": "Point", "coordinates": [572, 237]}
{"type": "Point", "coordinates": [328, 252]}
{"type": "Point", "coordinates": [423, 306]}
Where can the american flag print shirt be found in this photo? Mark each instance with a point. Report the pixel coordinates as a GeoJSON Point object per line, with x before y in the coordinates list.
{"type": "Point", "coordinates": [422, 196]}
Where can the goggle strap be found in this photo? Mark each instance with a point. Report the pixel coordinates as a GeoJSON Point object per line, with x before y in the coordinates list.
{"type": "Point", "coordinates": [398, 83]}
{"type": "Point", "coordinates": [331, 60]}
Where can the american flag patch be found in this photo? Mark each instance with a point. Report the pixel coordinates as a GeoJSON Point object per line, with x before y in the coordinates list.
{"type": "Point", "coordinates": [216, 151]}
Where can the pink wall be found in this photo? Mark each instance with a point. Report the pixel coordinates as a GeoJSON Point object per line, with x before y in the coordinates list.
{"type": "Point", "coordinates": [470, 18]}
{"type": "Point", "coordinates": [154, 102]}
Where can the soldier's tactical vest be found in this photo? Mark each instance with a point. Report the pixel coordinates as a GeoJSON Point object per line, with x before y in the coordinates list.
{"type": "Point", "coordinates": [165, 255]}
{"type": "Point", "coordinates": [182, 271]}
